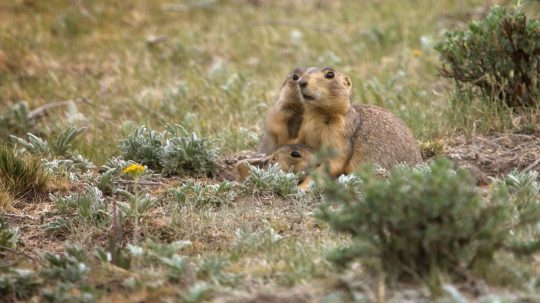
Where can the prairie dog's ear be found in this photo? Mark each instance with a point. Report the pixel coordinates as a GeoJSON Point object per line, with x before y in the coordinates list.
{"type": "Point", "coordinates": [348, 82]}
{"type": "Point", "coordinates": [242, 168]}
{"type": "Point", "coordinates": [259, 162]}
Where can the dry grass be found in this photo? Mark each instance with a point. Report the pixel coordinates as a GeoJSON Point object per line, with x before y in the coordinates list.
{"type": "Point", "coordinates": [5, 200]}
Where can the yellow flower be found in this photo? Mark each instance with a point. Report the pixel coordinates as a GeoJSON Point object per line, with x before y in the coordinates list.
{"type": "Point", "coordinates": [134, 170]}
{"type": "Point", "coordinates": [417, 52]}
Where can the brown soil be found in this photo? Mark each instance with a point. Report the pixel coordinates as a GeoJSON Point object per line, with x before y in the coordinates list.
{"type": "Point", "coordinates": [496, 155]}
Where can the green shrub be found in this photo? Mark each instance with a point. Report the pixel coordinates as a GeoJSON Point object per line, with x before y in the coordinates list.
{"type": "Point", "coordinates": [174, 151]}
{"type": "Point", "coordinates": [499, 55]}
{"type": "Point", "coordinates": [423, 221]}
{"type": "Point", "coordinates": [21, 176]}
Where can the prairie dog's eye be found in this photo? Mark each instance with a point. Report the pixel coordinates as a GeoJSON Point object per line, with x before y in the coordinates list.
{"type": "Point", "coordinates": [295, 77]}
{"type": "Point", "coordinates": [295, 154]}
{"type": "Point", "coordinates": [329, 75]}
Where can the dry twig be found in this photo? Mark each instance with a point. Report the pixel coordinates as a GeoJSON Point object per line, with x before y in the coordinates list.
{"type": "Point", "coordinates": [42, 110]}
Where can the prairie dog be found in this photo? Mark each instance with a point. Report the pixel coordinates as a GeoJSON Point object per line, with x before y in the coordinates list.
{"type": "Point", "coordinates": [359, 133]}
{"type": "Point", "coordinates": [296, 158]}
{"type": "Point", "coordinates": [285, 116]}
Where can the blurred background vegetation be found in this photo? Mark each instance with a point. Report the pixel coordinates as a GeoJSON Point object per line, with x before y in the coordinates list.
{"type": "Point", "coordinates": [215, 66]}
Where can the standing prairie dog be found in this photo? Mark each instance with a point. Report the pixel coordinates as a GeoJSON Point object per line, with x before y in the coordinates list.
{"type": "Point", "coordinates": [285, 116]}
{"type": "Point", "coordinates": [359, 133]}
{"type": "Point", "coordinates": [296, 158]}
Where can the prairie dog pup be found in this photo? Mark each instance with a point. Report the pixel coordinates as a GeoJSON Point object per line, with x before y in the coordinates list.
{"type": "Point", "coordinates": [296, 158]}
{"type": "Point", "coordinates": [285, 116]}
{"type": "Point", "coordinates": [359, 133]}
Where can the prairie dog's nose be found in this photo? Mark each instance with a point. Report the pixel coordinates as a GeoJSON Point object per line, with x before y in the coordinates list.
{"type": "Point", "coordinates": [302, 82]}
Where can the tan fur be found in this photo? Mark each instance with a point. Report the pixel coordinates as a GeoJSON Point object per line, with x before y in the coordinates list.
{"type": "Point", "coordinates": [296, 158]}
{"type": "Point", "coordinates": [359, 133]}
{"type": "Point", "coordinates": [284, 117]}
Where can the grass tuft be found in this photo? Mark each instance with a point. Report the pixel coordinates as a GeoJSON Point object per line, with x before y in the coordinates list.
{"type": "Point", "coordinates": [21, 176]}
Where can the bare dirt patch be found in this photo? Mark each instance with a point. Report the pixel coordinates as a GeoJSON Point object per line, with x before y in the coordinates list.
{"type": "Point", "coordinates": [496, 155]}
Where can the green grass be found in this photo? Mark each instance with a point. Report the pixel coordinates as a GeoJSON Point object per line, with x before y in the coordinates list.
{"type": "Point", "coordinates": [218, 69]}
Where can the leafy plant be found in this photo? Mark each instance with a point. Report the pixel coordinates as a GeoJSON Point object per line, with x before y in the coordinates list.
{"type": "Point", "coordinates": [213, 268]}
{"type": "Point", "coordinates": [197, 293]}
{"type": "Point", "coordinates": [524, 199]}
{"type": "Point", "coordinates": [200, 194]}
{"type": "Point", "coordinates": [69, 266]}
{"type": "Point", "coordinates": [422, 221]}
{"type": "Point", "coordinates": [57, 225]}
{"type": "Point", "coordinates": [8, 236]}
{"type": "Point", "coordinates": [105, 181]}
{"type": "Point", "coordinates": [136, 204]}
{"type": "Point", "coordinates": [15, 120]}
{"type": "Point", "coordinates": [112, 171]}
{"type": "Point", "coordinates": [523, 187]}
{"type": "Point", "coordinates": [89, 206]}
{"type": "Point", "coordinates": [20, 283]}
{"type": "Point", "coordinates": [143, 146]}
{"type": "Point", "coordinates": [69, 272]}
{"type": "Point", "coordinates": [499, 55]}
{"type": "Point", "coordinates": [272, 179]}
{"type": "Point", "coordinates": [176, 265]}
{"type": "Point", "coordinates": [174, 151]}
{"type": "Point", "coordinates": [59, 146]}
{"type": "Point", "coordinates": [248, 240]}
{"type": "Point", "coordinates": [21, 176]}
{"type": "Point", "coordinates": [62, 145]}
{"type": "Point", "coordinates": [188, 153]}
{"type": "Point", "coordinates": [34, 145]}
